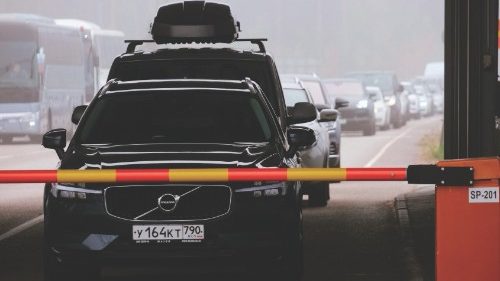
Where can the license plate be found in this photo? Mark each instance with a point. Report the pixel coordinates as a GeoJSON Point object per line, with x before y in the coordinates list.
{"type": "Point", "coordinates": [343, 121]}
{"type": "Point", "coordinates": [168, 232]}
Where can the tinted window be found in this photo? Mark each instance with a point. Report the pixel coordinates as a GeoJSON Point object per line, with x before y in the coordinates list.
{"type": "Point", "coordinates": [196, 116]}
{"type": "Point", "coordinates": [344, 88]}
{"type": "Point", "coordinates": [314, 87]}
{"type": "Point", "coordinates": [200, 69]}
{"type": "Point", "coordinates": [293, 96]}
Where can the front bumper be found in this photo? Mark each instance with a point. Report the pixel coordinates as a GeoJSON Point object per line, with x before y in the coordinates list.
{"type": "Point", "coordinates": [255, 230]}
{"type": "Point", "coordinates": [12, 124]}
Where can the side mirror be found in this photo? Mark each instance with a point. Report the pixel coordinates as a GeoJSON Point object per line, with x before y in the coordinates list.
{"type": "Point", "coordinates": [340, 102]}
{"type": "Point", "coordinates": [55, 139]}
{"type": "Point", "coordinates": [302, 112]}
{"type": "Point", "coordinates": [78, 113]}
{"type": "Point", "coordinates": [300, 137]}
{"type": "Point", "coordinates": [328, 115]}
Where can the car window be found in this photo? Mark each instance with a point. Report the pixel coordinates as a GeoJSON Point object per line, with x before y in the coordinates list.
{"type": "Point", "coordinates": [293, 96]}
{"type": "Point", "coordinates": [314, 87]}
{"type": "Point", "coordinates": [220, 69]}
{"type": "Point", "coordinates": [197, 116]}
{"type": "Point", "coordinates": [344, 89]}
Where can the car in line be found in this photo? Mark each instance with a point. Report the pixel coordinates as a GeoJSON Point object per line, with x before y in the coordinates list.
{"type": "Point", "coordinates": [425, 99]}
{"type": "Point", "coordinates": [413, 100]}
{"type": "Point", "coordinates": [312, 83]}
{"type": "Point", "coordinates": [382, 110]}
{"type": "Point", "coordinates": [359, 115]}
{"type": "Point", "coordinates": [315, 156]}
{"type": "Point", "coordinates": [388, 82]}
{"type": "Point", "coordinates": [175, 124]}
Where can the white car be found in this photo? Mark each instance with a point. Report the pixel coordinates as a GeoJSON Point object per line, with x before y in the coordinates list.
{"type": "Point", "coordinates": [381, 109]}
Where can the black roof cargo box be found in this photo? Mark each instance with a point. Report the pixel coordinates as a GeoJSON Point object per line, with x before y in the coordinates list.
{"type": "Point", "coordinates": [194, 21]}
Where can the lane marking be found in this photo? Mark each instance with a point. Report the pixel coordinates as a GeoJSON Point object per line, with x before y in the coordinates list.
{"type": "Point", "coordinates": [21, 227]}
{"type": "Point", "coordinates": [386, 147]}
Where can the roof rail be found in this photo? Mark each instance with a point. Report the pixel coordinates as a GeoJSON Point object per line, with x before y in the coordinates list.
{"type": "Point", "coordinates": [132, 44]}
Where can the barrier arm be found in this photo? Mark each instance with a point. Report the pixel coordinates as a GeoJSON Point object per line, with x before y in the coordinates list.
{"type": "Point", "coordinates": [467, 204]}
{"type": "Point", "coordinates": [429, 174]}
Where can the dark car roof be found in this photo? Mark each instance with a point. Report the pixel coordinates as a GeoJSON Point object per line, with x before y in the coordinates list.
{"type": "Point", "coordinates": [192, 53]}
{"type": "Point", "coordinates": [181, 84]}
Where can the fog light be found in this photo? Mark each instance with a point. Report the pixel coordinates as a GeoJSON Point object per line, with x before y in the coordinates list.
{"type": "Point", "coordinates": [271, 192]}
{"type": "Point", "coordinates": [67, 194]}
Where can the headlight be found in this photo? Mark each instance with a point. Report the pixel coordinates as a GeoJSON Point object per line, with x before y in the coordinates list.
{"type": "Point", "coordinates": [391, 101]}
{"type": "Point", "coordinates": [68, 191]}
{"type": "Point", "coordinates": [362, 104]}
{"type": "Point", "coordinates": [30, 118]}
{"type": "Point", "coordinates": [268, 190]}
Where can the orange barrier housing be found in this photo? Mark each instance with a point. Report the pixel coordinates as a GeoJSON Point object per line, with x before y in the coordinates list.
{"type": "Point", "coordinates": [468, 231]}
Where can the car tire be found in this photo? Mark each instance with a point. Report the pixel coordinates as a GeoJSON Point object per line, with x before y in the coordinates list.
{"type": "Point", "coordinates": [7, 139]}
{"type": "Point", "coordinates": [319, 194]}
{"type": "Point", "coordinates": [36, 139]}
{"type": "Point", "coordinates": [370, 129]}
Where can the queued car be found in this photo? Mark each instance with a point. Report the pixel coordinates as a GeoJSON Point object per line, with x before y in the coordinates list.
{"type": "Point", "coordinates": [391, 88]}
{"type": "Point", "coordinates": [413, 100]}
{"type": "Point", "coordinates": [312, 83]}
{"type": "Point", "coordinates": [186, 226]}
{"type": "Point", "coordinates": [425, 100]}
{"type": "Point", "coordinates": [382, 110]}
{"type": "Point", "coordinates": [434, 86]}
{"type": "Point", "coordinates": [315, 156]}
{"type": "Point", "coordinates": [359, 115]}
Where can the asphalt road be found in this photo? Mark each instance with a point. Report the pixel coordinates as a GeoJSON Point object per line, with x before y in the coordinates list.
{"type": "Point", "coordinates": [354, 238]}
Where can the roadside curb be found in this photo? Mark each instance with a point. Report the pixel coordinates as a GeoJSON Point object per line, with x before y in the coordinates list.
{"type": "Point", "coordinates": [410, 261]}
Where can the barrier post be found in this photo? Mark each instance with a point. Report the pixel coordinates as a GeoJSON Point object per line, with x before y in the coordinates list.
{"type": "Point", "coordinates": [468, 224]}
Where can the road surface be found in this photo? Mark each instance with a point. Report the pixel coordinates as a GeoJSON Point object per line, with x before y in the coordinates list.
{"type": "Point", "coordinates": [354, 238]}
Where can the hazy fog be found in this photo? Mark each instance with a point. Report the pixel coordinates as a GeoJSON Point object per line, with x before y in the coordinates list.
{"type": "Point", "coordinates": [329, 37]}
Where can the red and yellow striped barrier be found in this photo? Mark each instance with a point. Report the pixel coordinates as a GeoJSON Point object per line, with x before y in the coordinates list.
{"type": "Point", "coordinates": [203, 175]}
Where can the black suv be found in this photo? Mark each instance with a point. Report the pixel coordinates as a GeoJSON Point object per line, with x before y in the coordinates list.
{"type": "Point", "coordinates": [175, 124]}
{"type": "Point", "coordinates": [194, 22]}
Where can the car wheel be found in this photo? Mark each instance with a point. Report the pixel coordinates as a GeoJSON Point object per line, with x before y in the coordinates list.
{"type": "Point", "coordinates": [370, 129]}
{"type": "Point", "coordinates": [319, 194]}
{"type": "Point", "coordinates": [36, 139]}
{"type": "Point", "coordinates": [7, 139]}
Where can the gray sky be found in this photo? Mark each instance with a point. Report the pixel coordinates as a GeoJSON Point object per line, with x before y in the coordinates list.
{"type": "Point", "coordinates": [329, 37]}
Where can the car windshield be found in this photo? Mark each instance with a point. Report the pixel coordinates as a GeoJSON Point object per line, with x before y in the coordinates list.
{"type": "Point", "coordinates": [293, 96]}
{"type": "Point", "coordinates": [344, 88]}
{"type": "Point", "coordinates": [173, 116]}
{"type": "Point", "coordinates": [220, 69]}
{"type": "Point", "coordinates": [314, 87]}
{"type": "Point", "coordinates": [17, 56]}
{"type": "Point", "coordinates": [381, 80]}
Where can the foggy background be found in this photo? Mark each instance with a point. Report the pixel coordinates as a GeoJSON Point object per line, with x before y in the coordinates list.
{"type": "Point", "coordinates": [328, 37]}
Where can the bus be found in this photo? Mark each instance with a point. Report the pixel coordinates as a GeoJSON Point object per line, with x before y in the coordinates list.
{"type": "Point", "coordinates": [106, 45]}
{"type": "Point", "coordinates": [42, 75]}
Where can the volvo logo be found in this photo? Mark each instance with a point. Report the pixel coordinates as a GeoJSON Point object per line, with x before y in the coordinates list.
{"type": "Point", "coordinates": [168, 202]}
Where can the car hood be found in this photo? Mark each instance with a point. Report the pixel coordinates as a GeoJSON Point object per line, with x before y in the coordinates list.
{"type": "Point", "coordinates": [172, 156]}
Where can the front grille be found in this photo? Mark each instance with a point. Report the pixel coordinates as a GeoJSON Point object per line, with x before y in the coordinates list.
{"type": "Point", "coordinates": [140, 203]}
